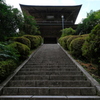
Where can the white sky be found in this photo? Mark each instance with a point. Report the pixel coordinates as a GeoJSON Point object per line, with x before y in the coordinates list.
{"type": "Point", "coordinates": [87, 5]}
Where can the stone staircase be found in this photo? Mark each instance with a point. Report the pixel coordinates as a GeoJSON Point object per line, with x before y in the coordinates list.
{"type": "Point", "coordinates": [49, 75]}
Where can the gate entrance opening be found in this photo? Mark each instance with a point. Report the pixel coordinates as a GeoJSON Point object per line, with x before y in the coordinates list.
{"type": "Point", "coordinates": [50, 40]}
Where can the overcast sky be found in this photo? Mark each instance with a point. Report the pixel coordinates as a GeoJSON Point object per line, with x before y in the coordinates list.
{"type": "Point", "coordinates": [87, 5]}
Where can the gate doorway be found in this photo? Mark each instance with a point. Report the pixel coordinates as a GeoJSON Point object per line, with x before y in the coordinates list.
{"type": "Point", "coordinates": [50, 40]}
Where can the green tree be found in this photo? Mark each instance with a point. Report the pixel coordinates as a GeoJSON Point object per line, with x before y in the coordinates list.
{"type": "Point", "coordinates": [30, 25]}
{"type": "Point", "coordinates": [18, 20]}
{"type": "Point", "coordinates": [10, 20]}
{"type": "Point", "coordinates": [91, 47]}
{"type": "Point", "coordinates": [87, 24]}
{"type": "Point", "coordinates": [67, 31]}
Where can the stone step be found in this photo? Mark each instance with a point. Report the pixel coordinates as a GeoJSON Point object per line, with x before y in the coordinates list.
{"type": "Point", "coordinates": [49, 69]}
{"type": "Point", "coordinates": [31, 97]}
{"type": "Point", "coordinates": [49, 77]}
{"type": "Point", "coordinates": [49, 73]}
{"type": "Point", "coordinates": [47, 63]}
{"type": "Point", "coordinates": [49, 66]}
{"type": "Point", "coordinates": [71, 91]}
{"type": "Point", "coordinates": [51, 60]}
{"type": "Point", "coordinates": [50, 83]}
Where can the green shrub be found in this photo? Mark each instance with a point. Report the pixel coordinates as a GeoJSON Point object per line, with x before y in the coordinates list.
{"type": "Point", "coordinates": [67, 31]}
{"type": "Point", "coordinates": [70, 39]}
{"type": "Point", "coordinates": [63, 41]}
{"type": "Point", "coordinates": [91, 47]}
{"type": "Point", "coordinates": [35, 40]}
{"type": "Point", "coordinates": [85, 35]}
{"type": "Point", "coordinates": [40, 39]}
{"type": "Point", "coordinates": [23, 50]}
{"type": "Point", "coordinates": [76, 45]}
{"type": "Point", "coordinates": [60, 40]}
{"type": "Point", "coordinates": [23, 40]}
{"type": "Point", "coordinates": [6, 67]}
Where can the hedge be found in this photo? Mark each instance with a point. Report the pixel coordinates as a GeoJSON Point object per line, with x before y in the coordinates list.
{"type": "Point", "coordinates": [17, 49]}
{"type": "Point", "coordinates": [35, 40]}
{"type": "Point", "coordinates": [76, 45]}
{"type": "Point", "coordinates": [23, 50]}
{"type": "Point", "coordinates": [73, 43]}
{"type": "Point", "coordinates": [91, 47]}
{"type": "Point", "coordinates": [70, 39]}
{"type": "Point", "coordinates": [63, 41]}
{"type": "Point", "coordinates": [6, 67]}
{"type": "Point", "coordinates": [23, 40]}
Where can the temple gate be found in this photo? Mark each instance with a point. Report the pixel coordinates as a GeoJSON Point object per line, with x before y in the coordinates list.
{"type": "Point", "coordinates": [52, 19]}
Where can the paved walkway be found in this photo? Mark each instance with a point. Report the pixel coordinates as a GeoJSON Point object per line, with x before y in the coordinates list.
{"type": "Point", "coordinates": [49, 75]}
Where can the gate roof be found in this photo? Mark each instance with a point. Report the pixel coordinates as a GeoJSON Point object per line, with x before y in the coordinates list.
{"type": "Point", "coordinates": [42, 13]}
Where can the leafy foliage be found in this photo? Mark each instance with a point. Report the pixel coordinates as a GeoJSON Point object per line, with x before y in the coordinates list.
{"type": "Point", "coordinates": [93, 18]}
{"type": "Point", "coordinates": [8, 53]}
{"type": "Point", "coordinates": [23, 40]}
{"type": "Point", "coordinates": [10, 21]}
{"type": "Point", "coordinates": [76, 45]}
{"type": "Point", "coordinates": [91, 47]}
{"type": "Point", "coordinates": [22, 49]}
{"type": "Point", "coordinates": [70, 40]}
{"type": "Point", "coordinates": [35, 40]}
{"type": "Point", "coordinates": [30, 25]}
{"type": "Point", "coordinates": [63, 41]}
{"type": "Point", "coordinates": [67, 31]}
{"type": "Point", "coordinates": [6, 67]}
